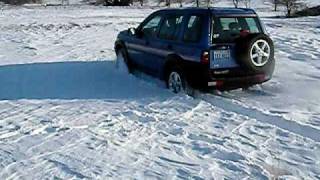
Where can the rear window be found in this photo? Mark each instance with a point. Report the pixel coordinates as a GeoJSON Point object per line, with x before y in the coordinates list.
{"type": "Point", "coordinates": [227, 29]}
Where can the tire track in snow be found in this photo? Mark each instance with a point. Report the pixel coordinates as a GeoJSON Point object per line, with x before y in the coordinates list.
{"type": "Point", "coordinates": [292, 126]}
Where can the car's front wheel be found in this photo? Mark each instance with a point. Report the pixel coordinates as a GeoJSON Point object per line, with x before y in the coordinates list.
{"type": "Point", "coordinates": [122, 63]}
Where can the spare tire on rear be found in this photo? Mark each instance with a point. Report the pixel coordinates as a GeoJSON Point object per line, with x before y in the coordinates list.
{"type": "Point", "coordinates": [255, 52]}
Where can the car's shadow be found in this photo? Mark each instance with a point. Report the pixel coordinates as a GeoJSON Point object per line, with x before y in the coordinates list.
{"type": "Point", "coordinates": [72, 80]}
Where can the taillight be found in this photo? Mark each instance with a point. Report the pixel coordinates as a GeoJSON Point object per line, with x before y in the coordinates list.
{"type": "Point", "coordinates": [215, 83]}
{"type": "Point", "coordinates": [204, 59]}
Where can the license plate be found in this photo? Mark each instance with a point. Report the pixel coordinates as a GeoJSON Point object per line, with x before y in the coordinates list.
{"type": "Point", "coordinates": [221, 55]}
{"type": "Point", "coordinates": [222, 58]}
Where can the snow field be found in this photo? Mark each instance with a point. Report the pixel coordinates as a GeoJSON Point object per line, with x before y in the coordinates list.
{"type": "Point", "coordinates": [65, 112]}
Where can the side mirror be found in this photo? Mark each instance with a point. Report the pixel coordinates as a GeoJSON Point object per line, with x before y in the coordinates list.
{"type": "Point", "coordinates": [132, 31]}
{"type": "Point", "coordinates": [135, 32]}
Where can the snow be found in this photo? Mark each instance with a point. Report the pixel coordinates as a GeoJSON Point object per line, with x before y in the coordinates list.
{"type": "Point", "coordinates": [66, 112]}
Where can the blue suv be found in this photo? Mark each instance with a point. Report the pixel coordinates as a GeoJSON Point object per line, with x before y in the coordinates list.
{"type": "Point", "coordinates": [221, 48]}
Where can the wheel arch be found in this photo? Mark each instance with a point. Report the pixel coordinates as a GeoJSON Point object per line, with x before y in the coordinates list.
{"type": "Point", "coordinates": [170, 61]}
{"type": "Point", "coordinates": [119, 44]}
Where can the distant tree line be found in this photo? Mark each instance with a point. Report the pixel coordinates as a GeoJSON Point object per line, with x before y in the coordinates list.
{"type": "Point", "coordinates": [290, 5]}
{"type": "Point", "coordinates": [20, 2]}
{"type": "Point", "coordinates": [143, 2]}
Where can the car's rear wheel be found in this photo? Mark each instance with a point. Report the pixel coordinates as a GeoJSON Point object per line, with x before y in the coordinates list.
{"type": "Point", "coordinates": [122, 63]}
{"type": "Point", "coordinates": [176, 81]}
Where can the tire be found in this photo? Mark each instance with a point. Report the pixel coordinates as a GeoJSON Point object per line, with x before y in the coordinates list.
{"type": "Point", "coordinates": [176, 81]}
{"type": "Point", "coordinates": [255, 52]}
{"type": "Point", "coordinates": [122, 61]}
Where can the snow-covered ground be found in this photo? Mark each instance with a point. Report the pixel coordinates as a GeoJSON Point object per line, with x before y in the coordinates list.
{"type": "Point", "coordinates": [65, 112]}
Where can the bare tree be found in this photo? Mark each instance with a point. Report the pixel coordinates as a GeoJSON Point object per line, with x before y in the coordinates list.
{"type": "Point", "coordinates": [203, 2]}
{"type": "Point", "coordinates": [291, 5]}
{"type": "Point", "coordinates": [275, 3]}
{"type": "Point", "coordinates": [141, 2]}
{"type": "Point", "coordinates": [236, 3]}
{"type": "Point", "coordinates": [65, 2]}
{"type": "Point", "coordinates": [197, 2]}
{"type": "Point", "coordinates": [247, 3]}
{"type": "Point", "coordinates": [168, 3]}
{"type": "Point", "coordinates": [208, 3]}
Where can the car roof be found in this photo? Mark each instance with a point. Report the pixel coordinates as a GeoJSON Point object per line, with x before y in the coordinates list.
{"type": "Point", "coordinates": [214, 10]}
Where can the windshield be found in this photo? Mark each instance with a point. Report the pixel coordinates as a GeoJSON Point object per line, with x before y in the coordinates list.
{"type": "Point", "coordinates": [227, 29]}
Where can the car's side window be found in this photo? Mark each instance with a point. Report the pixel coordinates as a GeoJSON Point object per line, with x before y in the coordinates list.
{"type": "Point", "coordinates": [150, 28]}
{"type": "Point", "coordinates": [193, 30]}
{"type": "Point", "coordinates": [170, 27]}
{"type": "Point", "coordinates": [252, 25]}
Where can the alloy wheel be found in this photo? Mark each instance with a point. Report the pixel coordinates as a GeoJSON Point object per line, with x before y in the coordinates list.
{"type": "Point", "coordinates": [260, 53]}
{"type": "Point", "coordinates": [175, 82]}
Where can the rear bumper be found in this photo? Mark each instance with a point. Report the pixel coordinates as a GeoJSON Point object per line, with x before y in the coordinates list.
{"type": "Point", "coordinates": [227, 78]}
{"type": "Point", "coordinates": [238, 77]}
{"type": "Point", "coordinates": [237, 82]}
{"type": "Point", "coordinates": [227, 82]}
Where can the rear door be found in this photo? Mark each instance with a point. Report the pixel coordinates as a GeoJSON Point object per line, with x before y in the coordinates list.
{"type": "Point", "coordinates": [167, 39]}
{"type": "Point", "coordinates": [194, 37]}
{"type": "Point", "coordinates": [225, 31]}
